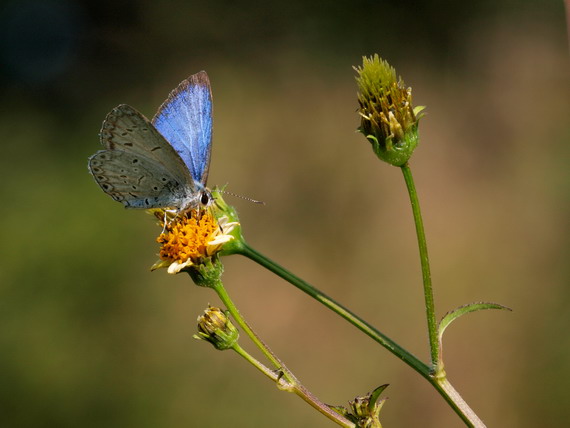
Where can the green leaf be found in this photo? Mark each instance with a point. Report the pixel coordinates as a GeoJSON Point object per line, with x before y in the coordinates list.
{"type": "Point", "coordinates": [375, 395]}
{"type": "Point", "coordinates": [462, 310]}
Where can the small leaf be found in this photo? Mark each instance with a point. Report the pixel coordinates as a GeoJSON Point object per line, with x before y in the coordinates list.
{"type": "Point", "coordinates": [462, 310]}
{"type": "Point", "coordinates": [375, 395]}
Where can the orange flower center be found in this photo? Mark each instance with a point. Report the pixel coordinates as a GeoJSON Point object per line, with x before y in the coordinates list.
{"type": "Point", "coordinates": [187, 236]}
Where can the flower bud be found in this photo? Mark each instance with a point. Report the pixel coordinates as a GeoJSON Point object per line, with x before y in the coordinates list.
{"type": "Point", "coordinates": [215, 327]}
{"type": "Point", "coordinates": [388, 119]}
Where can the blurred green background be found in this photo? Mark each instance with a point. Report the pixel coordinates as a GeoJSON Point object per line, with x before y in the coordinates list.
{"type": "Point", "coordinates": [89, 337]}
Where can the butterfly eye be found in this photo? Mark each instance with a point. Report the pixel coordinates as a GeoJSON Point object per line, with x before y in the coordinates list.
{"type": "Point", "coordinates": [204, 199]}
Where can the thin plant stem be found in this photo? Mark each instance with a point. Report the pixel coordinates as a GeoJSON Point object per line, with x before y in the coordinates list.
{"type": "Point", "coordinates": [457, 403]}
{"type": "Point", "coordinates": [271, 374]}
{"type": "Point", "coordinates": [225, 298]}
{"type": "Point", "coordinates": [351, 317]}
{"type": "Point", "coordinates": [441, 384]}
{"type": "Point", "coordinates": [292, 383]}
{"type": "Point", "coordinates": [426, 275]}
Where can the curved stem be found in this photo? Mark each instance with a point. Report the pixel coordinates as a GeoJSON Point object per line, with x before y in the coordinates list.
{"type": "Point", "coordinates": [426, 275]}
{"type": "Point", "coordinates": [228, 302]}
{"type": "Point", "coordinates": [292, 383]}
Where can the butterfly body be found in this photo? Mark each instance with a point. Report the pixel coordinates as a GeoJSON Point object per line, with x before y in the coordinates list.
{"type": "Point", "coordinates": [161, 163]}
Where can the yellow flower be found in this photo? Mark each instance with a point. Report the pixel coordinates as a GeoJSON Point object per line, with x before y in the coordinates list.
{"type": "Point", "coordinates": [190, 238]}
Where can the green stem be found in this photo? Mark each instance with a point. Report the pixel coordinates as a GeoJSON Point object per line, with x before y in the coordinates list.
{"type": "Point", "coordinates": [457, 403]}
{"type": "Point", "coordinates": [271, 374]}
{"type": "Point", "coordinates": [249, 252]}
{"type": "Point", "coordinates": [228, 302]}
{"type": "Point", "coordinates": [292, 383]}
{"type": "Point", "coordinates": [441, 384]}
{"type": "Point", "coordinates": [422, 244]}
{"type": "Point", "coordinates": [296, 388]}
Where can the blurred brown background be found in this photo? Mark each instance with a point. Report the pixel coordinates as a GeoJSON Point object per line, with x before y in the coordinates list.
{"type": "Point", "coordinates": [89, 337]}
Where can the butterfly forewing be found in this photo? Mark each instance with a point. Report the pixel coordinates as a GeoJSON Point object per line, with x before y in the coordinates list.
{"type": "Point", "coordinates": [185, 120]}
{"type": "Point", "coordinates": [139, 168]}
{"type": "Point", "coordinates": [125, 129]}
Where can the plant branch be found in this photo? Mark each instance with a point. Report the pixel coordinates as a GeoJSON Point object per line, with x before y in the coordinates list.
{"type": "Point", "coordinates": [351, 317]}
{"type": "Point", "coordinates": [282, 376]}
{"type": "Point", "coordinates": [426, 275]}
{"type": "Point", "coordinates": [440, 383]}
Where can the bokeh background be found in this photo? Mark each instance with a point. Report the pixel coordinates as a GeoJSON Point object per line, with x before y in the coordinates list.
{"type": "Point", "coordinates": [89, 337]}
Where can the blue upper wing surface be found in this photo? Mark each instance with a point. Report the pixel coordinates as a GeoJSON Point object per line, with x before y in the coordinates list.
{"type": "Point", "coordinates": [185, 120]}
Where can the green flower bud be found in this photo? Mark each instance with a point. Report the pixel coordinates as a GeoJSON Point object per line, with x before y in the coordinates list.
{"type": "Point", "coordinates": [215, 327]}
{"type": "Point", "coordinates": [388, 119]}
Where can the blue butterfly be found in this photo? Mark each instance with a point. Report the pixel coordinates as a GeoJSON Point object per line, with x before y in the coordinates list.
{"type": "Point", "coordinates": [161, 163]}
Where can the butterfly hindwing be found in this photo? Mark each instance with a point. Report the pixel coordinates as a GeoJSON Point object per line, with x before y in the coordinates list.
{"type": "Point", "coordinates": [135, 180]}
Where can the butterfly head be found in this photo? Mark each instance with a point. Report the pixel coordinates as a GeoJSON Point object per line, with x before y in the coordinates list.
{"type": "Point", "coordinates": [198, 200]}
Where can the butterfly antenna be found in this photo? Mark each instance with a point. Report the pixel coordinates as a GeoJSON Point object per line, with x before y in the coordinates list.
{"type": "Point", "coordinates": [225, 192]}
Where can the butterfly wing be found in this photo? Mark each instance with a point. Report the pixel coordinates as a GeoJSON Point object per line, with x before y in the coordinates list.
{"type": "Point", "coordinates": [127, 130]}
{"type": "Point", "coordinates": [136, 181]}
{"type": "Point", "coordinates": [139, 167]}
{"type": "Point", "coordinates": [185, 120]}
